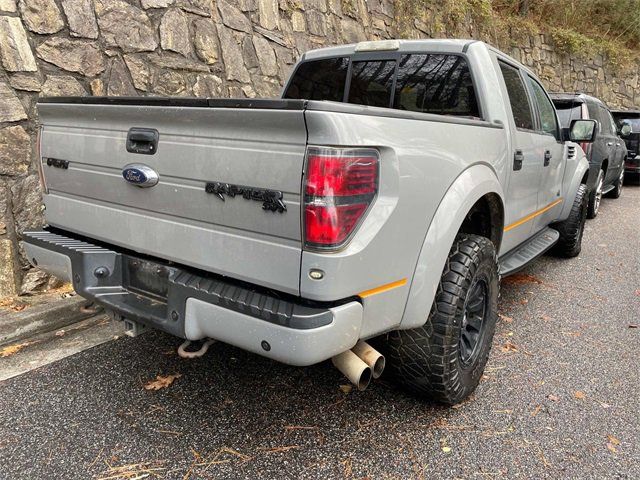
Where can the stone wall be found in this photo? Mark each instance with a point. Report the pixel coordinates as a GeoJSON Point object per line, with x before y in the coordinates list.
{"type": "Point", "coordinates": [205, 48]}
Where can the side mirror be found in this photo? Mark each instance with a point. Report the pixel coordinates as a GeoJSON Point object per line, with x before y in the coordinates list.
{"type": "Point", "coordinates": [625, 130]}
{"type": "Point", "coordinates": [582, 131]}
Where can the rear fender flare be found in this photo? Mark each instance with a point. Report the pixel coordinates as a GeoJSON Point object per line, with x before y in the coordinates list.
{"type": "Point", "coordinates": [466, 190]}
{"type": "Point", "coordinates": [571, 183]}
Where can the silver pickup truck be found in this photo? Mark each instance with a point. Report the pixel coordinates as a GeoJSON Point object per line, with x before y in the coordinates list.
{"type": "Point", "coordinates": [382, 197]}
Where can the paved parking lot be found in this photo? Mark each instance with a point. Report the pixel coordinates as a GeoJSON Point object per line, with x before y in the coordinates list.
{"type": "Point", "coordinates": [559, 398]}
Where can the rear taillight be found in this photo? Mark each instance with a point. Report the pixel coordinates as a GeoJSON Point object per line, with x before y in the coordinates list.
{"type": "Point", "coordinates": [339, 186]}
{"type": "Point", "coordinates": [43, 181]}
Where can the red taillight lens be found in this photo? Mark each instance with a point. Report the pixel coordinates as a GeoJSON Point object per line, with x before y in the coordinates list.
{"type": "Point", "coordinates": [341, 176]}
{"type": "Point", "coordinates": [339, 186]}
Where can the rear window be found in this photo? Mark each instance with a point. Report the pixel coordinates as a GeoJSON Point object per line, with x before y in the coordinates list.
{"type": "Point", "coordinates": [429, 83]}
{"type": "Point", "coordinates": [634, 122]}
{"type": "Point", "coordinates": [319, 80]}
{"type": "Point", "coordinates": [371, 83]}
{"type": "Point", "coordinates": [440, 84]}
{"type": "Point", "coordinates": [568, 111]}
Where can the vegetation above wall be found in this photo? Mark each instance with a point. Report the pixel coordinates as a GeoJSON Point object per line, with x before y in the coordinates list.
{"type": "Point", "coordinates": [579, 27]}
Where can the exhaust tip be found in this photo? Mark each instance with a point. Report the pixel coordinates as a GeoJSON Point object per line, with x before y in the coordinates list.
{"type": "Point", "coordinates": [369, 355]}
{"type": "Point", "coordinates": [352, 367]}
{"type": "Point", "coordinates": [364, 380]}
{"type": "Point", "coordinates": [378, 367]}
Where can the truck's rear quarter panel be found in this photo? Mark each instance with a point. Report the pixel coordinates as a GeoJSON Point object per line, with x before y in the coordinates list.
{"type": "Point", "coordinates": [177, 220]}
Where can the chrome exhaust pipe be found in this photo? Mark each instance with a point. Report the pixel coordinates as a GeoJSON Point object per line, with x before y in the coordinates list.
{"type": "Point", "coordinates": [369, 355]}
{"type": "Point", "coordinates": [358, 372]}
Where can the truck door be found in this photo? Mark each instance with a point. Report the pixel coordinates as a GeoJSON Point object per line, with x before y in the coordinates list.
{"type": "Point", "coordinates": [617, 162]}
{"type": "Point", "coordinates": [522, 190]}
{"type": "Point", "coordinates": [550, 153]}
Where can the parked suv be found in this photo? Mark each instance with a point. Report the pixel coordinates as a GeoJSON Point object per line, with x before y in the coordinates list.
{"type": "Point", "coordinates": [606, 154]}
{"type": "Point", "coordinates": [631, 139]}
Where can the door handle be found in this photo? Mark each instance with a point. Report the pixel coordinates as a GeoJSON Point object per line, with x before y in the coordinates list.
{"type": "Point", "coordinates": [547, 158]}
{"type": "Point", "coordinates": [518, 158]}
{"type": "Point", "coordinates": [609, 144]}
{"type": "Point", "coordinates": [142, 140]}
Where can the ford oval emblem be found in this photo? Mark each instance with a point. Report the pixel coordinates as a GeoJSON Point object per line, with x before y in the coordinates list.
{"type": "Point", "coordinates": [140, 175]}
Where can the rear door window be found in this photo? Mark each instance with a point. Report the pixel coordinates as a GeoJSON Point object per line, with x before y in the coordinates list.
{"type": "Point", "coordinates": [372, 83]}
{"type": "Point", "coordinates": [319, 80]}
{"type": "Point", "coordinates": [518, 98]}
{"type": "Point", "coordinates": [436, 83]}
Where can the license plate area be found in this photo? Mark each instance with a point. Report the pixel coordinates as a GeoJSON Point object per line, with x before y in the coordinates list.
{"type": "Point", "coordinates": [146, 278]}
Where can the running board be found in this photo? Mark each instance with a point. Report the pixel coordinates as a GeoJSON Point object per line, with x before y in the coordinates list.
{"type": "Point", "coordinates": [608, 189]}
{"type": "Point", "coordinates": [519, 257]}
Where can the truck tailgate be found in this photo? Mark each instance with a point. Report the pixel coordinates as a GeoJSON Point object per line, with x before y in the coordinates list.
{"type": "Point", "coordinates": [252, 145]}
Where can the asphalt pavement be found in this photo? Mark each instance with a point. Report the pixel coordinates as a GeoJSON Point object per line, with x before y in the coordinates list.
{"type": "Point", "coordinates": [559, 399]}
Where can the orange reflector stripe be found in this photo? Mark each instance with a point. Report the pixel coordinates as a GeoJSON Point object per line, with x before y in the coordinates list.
{"type": "Point", "coordinates": [383, 288]}
{"type": "Point", "coordinates": [533, 215]}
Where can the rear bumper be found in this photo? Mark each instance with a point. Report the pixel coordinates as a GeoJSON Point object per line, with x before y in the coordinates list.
{"type": "Point", "coordinates": [194, 306]}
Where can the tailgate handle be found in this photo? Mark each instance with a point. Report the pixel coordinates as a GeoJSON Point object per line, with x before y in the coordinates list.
{"type": "Point", "coordinates": [143, 141]}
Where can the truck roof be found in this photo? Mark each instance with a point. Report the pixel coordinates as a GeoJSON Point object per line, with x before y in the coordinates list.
{"type": "Point", "coordinates": [444, 45]}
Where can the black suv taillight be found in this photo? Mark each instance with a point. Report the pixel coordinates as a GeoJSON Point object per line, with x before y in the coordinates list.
{"type": "Point", "coordinates": [339, 186]}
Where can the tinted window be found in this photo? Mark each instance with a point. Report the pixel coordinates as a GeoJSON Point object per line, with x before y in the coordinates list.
{"type": "Point", "coordinates": [609, 120]}
{"type": "Point", "coordinates": [634, 122]}
{"type": "Point", "coordinates": [567, 112]}
{"type": "Point", "coordinates": [371, 83]}
{"type": "Point", "coordinates": [440, 84]}
{"type": "Point", "coordinates": [518, 97]}
{"type": "Point", "coordinates": [596, 112]}
{"type": "Point", "coordinates": [319, 80]}
{"type": "Point", "coordinates": [548, 120]}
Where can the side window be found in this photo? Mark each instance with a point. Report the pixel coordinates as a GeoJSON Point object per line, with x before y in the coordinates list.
{"type": "Point", "coordinates": [319, 80]}
{"type": "Point", "coordinates": [518, 97]}
{"type": "Point", "coordinates": [371, 83]}
{"type": "Point", "coordinates": [548, 119]}
{"type": "Point", "coordinates": [594, 114]}
{"type": "Point", "coordinates": [436, 83]}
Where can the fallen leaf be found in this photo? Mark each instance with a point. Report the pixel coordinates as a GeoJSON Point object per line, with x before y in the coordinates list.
{"type": "Point", "coordinates": [19, 307]}
{"type": "Point", "coordinates": [161, 381]}
{"type": "Point", "coordinates": [446, 449]}
{"type": "Point", "coordinates": [346, 388]}
{"type": "Point", "coordinates": [611, 448]}
{"type": "Point", "coordinates": [605, 405]}
{"type": "Point", "coordinates": [506, 319]}
{"type": "Point", "coordinates": [613, 440]}
{"type": "Point", "coordinates": [638, 292]}
{"type": "Point", "coordinates": [580, 395]}
{"type": "Point", "coordinates": [509, 347]}
{"type": "Point", "coordinates": [546, 318]}
{"type": "Point", "coordinates": [553, 398]}
{"type": "Point", "coordinates": [12, 349]}
{"type": "Point", "coordinates": [536, 411]}
{"type": "Point", "coordinates": [633, 325]}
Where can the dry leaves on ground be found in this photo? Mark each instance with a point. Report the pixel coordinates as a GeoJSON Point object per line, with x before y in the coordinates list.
{"type": "Point", "coordinates": [12, 349]}
{"type": "Point", "coordinates": [161, 381]}
{"type": "Point", "coordinates": [579, 395]}
{"type": "Point", "coordinates": [509, 347]}
{"type": "Point", "coordinates": [553, 397]}
{"type": "Point", "coordinates": [521, 279]}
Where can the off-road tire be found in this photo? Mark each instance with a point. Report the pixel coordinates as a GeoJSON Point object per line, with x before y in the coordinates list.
{"type": "Point", "coordinates": [572, 229]}
{"type": "Point", "coordinates": [427, 360]}
{"type": "Point", "coordinates": [594, 203]}
{"type": "Point", "coordinates": [617, 187]}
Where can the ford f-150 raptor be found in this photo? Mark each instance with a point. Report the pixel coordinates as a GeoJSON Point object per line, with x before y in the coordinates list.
{"type": "Point", "coordinates": [382, 197]}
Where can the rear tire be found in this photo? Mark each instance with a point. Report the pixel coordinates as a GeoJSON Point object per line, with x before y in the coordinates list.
{"type": "Point", "coordinates": [617, 187]}
{"type": "Point", "coordinates": [572, 229]}
{"type": "Point", "coordinates": [444, 359]}
{"type": "Point", "coordinates": [596, 197]}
